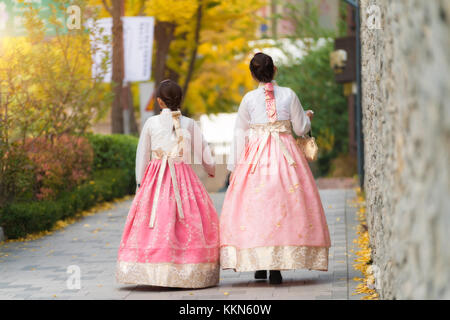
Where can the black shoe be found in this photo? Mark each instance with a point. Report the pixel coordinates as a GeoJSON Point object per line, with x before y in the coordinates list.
{"type": "Point", "coordinates": [261, 275]}
{"type": "Point", "coordinates": [275, 277]}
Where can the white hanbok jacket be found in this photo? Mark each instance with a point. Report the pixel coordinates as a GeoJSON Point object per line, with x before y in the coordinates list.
{"type": "Point", "coordinates": [253, 111]}
{"type": "Point", "coordinates": [158, 134]}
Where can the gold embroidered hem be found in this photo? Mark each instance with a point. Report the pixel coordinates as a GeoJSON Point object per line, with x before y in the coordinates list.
{"type": "Point", "coordinates": [199, 275]}
{"type": "Point", "coordinates": [274, 258]}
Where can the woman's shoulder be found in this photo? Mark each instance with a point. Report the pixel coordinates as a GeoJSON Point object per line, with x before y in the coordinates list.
{"type": "Point", "coordinates": [186, 118]}
{"type": "Point", "coordinates": [288, 93]}
{"type": "Point", "coordinates": [258, 90]}
{"type": "Point", "coordinates": [286, 90]}
{"type": "Point", "coordinates": [149, 121]}
{"type": "Point", "coordinates": [186, 121]}
{"type": "Point", "coordinates": [251, 94]}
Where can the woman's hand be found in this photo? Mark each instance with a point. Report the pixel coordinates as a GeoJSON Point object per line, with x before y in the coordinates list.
{"type": "Point", "coordinates": [310, 114]}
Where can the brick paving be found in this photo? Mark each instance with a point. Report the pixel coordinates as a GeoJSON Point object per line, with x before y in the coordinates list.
{"type": "Point", "coordinates": [39, 269]}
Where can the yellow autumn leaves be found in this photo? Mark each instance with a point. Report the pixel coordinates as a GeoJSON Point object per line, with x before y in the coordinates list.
{"type": "Point", "coordinates": [364, 253]}
{"type": "Point", "coordinates": [222, 74]}
{"type": "Point", "coordinates": [171, 10]}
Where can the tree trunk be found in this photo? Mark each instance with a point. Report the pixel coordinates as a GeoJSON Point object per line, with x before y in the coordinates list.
{"type": "Point", "coordinates": [173, 75]}
{"type": "Point", "coordinates": [117, 11]}
{"type": "Point", "coordinates": [274, 18]}
{"type": "Point", "coordinates": [193, 58]}
{"type": "Point", "coordinates": [129, 97]}
{"type": "Point", "coordinates": [164, 34]}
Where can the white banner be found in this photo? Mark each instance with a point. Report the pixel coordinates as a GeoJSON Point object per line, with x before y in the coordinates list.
{"type": "Point", "coordinates": [138, 46]}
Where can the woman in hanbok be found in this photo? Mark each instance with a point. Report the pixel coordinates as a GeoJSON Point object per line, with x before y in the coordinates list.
{"type": "Point", "coordinates": [171, 235]}
{"type": "Point", "coordinates": [272, 217]}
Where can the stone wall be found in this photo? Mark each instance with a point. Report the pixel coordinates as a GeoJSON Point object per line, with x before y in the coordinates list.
{"type": "Point", "coordinates": [406, 120]}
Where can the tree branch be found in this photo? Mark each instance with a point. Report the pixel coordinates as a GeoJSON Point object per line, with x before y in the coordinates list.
{"type": "Point", "coordinates": [108, 8]}
{"type": "Point", "coordinates": [142, 8]}
{"type": "Point", "coordinates": [190, 72]}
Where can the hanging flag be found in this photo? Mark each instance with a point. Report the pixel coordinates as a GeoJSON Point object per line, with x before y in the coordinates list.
{"type": "Point", "coordinates": [138, 46]}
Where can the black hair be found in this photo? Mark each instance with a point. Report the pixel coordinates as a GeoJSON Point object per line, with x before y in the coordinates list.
{"type": "Point", "coordinates": [262, 67]}
{"type": "Point", "coordinates": [170, 92]}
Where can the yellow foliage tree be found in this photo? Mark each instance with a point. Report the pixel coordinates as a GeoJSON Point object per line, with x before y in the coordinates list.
{"type": "Point", "coordinates": [220, 66]}
{"type": "Point", "coordinates": [174, 11]}
{"type": "Point", "coordinates": [207, 54]}
{"type": "Point", "coordinates": [222, 74]}
{"type": "Point", "coordinates": [47, 93]}
{"type": "Point", "coordinates": [47, 81]}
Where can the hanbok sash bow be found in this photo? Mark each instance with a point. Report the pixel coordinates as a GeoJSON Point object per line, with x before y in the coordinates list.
{"type": "Point", "coordinates": [272, 129]}
{"type": "Point", "coordinates": [167, 158]}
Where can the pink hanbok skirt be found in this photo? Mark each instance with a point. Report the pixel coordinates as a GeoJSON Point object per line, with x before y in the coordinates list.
{"type": "Point", "coordinates": [176, 252]}
{"type": "Point", "coordinates": [273, 219]}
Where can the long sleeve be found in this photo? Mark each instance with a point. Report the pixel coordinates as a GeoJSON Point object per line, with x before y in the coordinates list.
{"type": "Point", "coordinates": [301, 123]}
{"type": "Point", "coordinates": [202, 152]}
{"type": "Point", "coordinates": [240, 132]}
{"type": "Point", "coordinates": [143, 152]}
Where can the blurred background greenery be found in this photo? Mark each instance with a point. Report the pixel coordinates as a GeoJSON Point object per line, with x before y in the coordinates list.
{"type": "Point", "coordinates": [52, 109]}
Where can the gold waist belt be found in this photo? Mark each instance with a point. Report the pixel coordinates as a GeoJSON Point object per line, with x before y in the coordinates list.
{"type": "Point", "coordinates": [282, 126]}
{"type": "Point", "coordinates": [273, 129]}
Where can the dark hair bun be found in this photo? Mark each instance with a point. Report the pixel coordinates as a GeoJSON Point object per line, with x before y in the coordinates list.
{"type": "Point", "coordinates": [262, 67]}
{"type": "Point", "coordinates": [170, 92]}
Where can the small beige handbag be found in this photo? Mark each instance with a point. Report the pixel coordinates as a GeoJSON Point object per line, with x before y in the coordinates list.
{"type": "Point", "coordinates": [309, 147]}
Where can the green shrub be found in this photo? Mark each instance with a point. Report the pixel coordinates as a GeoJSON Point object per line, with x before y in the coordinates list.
{"type": "Point", "coordinates": [41, 168]}
{"type": "Point", "coordinates": [20, 219]}
{"type": "Point", "coordinates": [115, 151]}
{"type": "Point", "coordinates": [17, 176]}
{"type": "Point", "coordinates": [112, 177]}
{"type": "Point", "coordinates": [313, 80]}
{"type": "Point", "coordinates": [60, 163]}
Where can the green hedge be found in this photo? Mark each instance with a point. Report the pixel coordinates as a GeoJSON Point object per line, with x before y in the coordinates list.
{"type": "Point", "coordinates": [113, 177]}
{"type": "Point", "coordinates": [20, 219]}
{"type": "Point", "coordinates": [114, 151]}
{"type": "Point", "coordinates": [313, 81]}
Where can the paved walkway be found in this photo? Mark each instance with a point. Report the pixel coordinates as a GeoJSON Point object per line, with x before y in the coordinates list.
{"type": "Point", "coordinates": [38, 269]}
